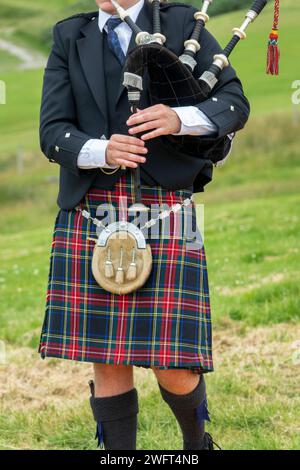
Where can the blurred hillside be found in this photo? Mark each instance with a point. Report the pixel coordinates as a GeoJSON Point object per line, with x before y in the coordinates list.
{"type": "Point", "coordinates": [31, 22]}
{"type": "Point", "coordinates": [29, 25]}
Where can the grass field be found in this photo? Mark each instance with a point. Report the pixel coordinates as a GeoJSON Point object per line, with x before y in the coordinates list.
{"type": "Point", "coordinates": [7, 61]}
{"type": "Point", "coordinates": [251, 235]}
{"type": "Point", "coordinates": [252, 229]}
{"type": "Point", "coordinates": [266, 93]}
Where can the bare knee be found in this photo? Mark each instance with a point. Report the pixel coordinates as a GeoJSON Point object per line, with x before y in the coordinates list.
{"type": "Point", "coordinates": [112, 370]}
{"type": "Point", "coordinates": [178, 381]}
{"type": "Point", "coordinates": [111, 379]}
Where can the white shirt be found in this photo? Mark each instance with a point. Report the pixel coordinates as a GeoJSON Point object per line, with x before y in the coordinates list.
{"type": "Point", "coordinates": [193, 121]}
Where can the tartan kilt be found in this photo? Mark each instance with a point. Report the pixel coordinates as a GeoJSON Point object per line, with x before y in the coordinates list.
{"type": "Point", "coordinates": [166, 323]}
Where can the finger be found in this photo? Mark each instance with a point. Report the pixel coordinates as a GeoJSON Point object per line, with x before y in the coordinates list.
{"type": "Point", "coordinates": [132, 148]}
{"type": "Point", "coordinates": [153, 134]}
{"type": "Point", "coordinates": [131, 157]}
{"type": "Point", "coordinates": [155, 107]}
{"type": "Point", "coordinates": [142, 116]}
{"type": "Point", "coordinates": [127, 139]}
{"type": "Point", "coordinates": [121, 161]}
{"type": "Point", "coordinates": [146, 126]}
{"type": "Point", "coordinates": [130, 160]}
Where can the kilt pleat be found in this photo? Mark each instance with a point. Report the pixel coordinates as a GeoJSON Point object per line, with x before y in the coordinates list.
{"type": "Point", "coordinates": [166, 323]}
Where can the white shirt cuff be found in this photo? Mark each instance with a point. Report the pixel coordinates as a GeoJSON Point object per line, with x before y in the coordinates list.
{"type": "Point", "coordinates": [92, 155]}
{"type": "Point", "coordinates": [194, 121]}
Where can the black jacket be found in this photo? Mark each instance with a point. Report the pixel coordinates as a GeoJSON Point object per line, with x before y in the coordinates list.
{"type": "Point", "coordinates": [73, 107]}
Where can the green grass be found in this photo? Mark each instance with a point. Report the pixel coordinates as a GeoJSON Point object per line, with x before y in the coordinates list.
{"type": "Point", "coordinates": [252, 245]}
{"type": "Point", "coordinates": [267, 94]}
{"type": "Point", "coordinates": [249, 406]}
{"type": "Point", "coordinates": [7, 61]}
{"type": "Point", "coordinates": [19, 117]}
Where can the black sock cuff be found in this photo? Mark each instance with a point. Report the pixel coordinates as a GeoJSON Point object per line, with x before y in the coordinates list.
{"type": "Point", "coordinates": [115, 407]}
{"type": "Point", "coordinates": [187, 401]}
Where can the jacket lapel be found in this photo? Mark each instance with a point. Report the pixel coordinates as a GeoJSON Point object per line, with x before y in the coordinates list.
{"type": "Point", "coordinates": [90, 48]}
{"type": "Point", "coordinates": [91, 58]}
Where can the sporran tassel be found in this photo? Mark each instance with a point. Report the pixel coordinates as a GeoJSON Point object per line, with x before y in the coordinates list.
{"type": "Point", "coordinates": [120, 276]}
{"type": "Point", "coordinates": [273, 48]}
{"type": "Point", "coordinates": [109, 268]}
{"type": "Point", "coordinates": [132, 270]}
{"type": "Point", "coordinates": [120, 271]}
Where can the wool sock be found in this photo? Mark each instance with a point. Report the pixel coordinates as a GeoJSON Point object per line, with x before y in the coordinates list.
{"type": "Point", "coordinates": [191, 412]}
{"type": "Point", "coordinates": [116, 418]}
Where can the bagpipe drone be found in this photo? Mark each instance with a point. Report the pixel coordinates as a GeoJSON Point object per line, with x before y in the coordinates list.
{"type": "Point", "coordinates": [171, 78]}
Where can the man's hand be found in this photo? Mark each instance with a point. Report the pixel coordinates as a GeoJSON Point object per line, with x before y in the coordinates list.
{"type": "Point", "coordinates": [125, 150]}
{"type": "Point", "coordinates": [161, 118]}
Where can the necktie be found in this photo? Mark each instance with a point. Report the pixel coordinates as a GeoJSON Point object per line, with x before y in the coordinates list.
{"type": "Point", "coordinates": [113, 40]}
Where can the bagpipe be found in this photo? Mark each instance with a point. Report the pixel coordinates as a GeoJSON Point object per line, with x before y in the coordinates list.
{"type": "Point", "coordinates": [171, 78]}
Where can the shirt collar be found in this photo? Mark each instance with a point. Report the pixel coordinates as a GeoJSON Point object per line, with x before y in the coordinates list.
{"type": "Point", "coordinates": [133, 12]}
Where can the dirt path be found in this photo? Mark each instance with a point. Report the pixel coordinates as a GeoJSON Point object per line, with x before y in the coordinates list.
{"type": "Point", "coordinates": [29, 59]}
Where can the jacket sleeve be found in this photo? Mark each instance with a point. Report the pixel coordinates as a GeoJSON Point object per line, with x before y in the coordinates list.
{"type": "Point", "coordinates": [60, 139]}
{"type": "Point", "coordinates": [227, 106]}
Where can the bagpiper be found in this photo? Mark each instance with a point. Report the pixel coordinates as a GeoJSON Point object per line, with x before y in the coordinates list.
{"type": "Point", "coordinates": [128, 283]}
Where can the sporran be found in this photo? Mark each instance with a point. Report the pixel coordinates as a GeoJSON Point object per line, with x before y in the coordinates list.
{"type": "Point", "coordinates": [122, 259]}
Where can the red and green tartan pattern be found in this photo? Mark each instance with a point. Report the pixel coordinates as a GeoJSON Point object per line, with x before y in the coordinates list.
{"type": "Point", "coordinates": [166, 323]}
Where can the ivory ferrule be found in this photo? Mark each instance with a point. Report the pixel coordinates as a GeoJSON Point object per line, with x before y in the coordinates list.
{"type": "Point", "coordinates": [221, 61]}
{"type": "Point", "coordinates": [199, 15]}
{"type": "Point", "coordinates": [191, 45]}
{"type": "Point", "coordinates": [240, 33]}
{"type": "Point", "coordinates": [161, 39]}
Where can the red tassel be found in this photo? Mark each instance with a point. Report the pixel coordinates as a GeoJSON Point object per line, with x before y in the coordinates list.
{"type": "Point", "coordinates": [273, 49]}
{"type": "Point", "coordinates": [273, 55]}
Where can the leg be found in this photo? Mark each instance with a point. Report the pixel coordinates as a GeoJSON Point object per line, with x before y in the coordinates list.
{"type": "Point", "coordinates": [185, 393]}
{"type": "Point", "coordinates": [114, 403]}
{"type": "Point", "coordinates": [112, 380]}
{"type": "Point", "coordinates": [179, 381]}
